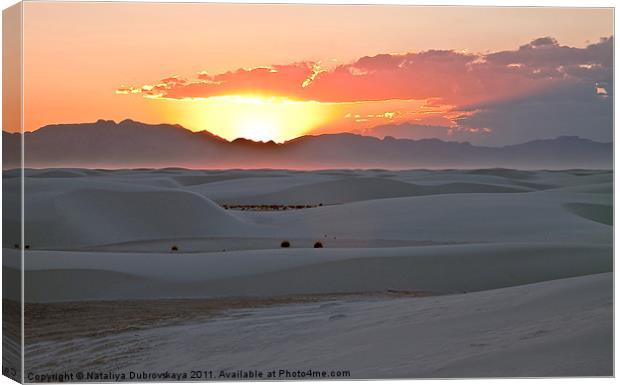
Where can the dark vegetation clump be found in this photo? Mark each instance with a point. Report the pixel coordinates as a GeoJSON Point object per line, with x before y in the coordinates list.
{"type": "Point", "coordinates": [268, 207]}
{"type": "Point", "coordinates": [285, 244]}
{"type": "Point", "coordinates": [174, 248]}
{"type": "Point", "coordinates": [318, 245]}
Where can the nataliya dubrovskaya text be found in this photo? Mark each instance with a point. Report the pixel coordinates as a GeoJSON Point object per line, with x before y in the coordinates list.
{"type": "Point", "coordinates": [185, 376]}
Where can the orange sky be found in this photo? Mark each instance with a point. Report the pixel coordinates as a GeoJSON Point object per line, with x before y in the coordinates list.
{"type": "Point", "coordinates": [81, 60]}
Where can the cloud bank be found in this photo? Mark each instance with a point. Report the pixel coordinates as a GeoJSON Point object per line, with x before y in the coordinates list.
{"type": "Point", "coordinates": [540, 89]}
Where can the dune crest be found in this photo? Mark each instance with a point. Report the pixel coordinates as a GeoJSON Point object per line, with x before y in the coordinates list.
{"type": "Point", "coordinates": [99, 216]}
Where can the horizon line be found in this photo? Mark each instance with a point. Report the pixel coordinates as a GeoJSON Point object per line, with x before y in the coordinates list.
{"type": "Point", "coordinates": [272, 142]}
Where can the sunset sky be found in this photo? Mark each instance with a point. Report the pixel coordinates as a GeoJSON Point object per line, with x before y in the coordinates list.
{"type": "Point", "coordinates": [274, 72]}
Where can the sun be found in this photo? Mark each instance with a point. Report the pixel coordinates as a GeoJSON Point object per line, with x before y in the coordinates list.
{"type": "Point", "coordinates": [251, 117]}
{"type": "Point", "coordinates": [265, 119]}
{"type": "Point", "coordinates": [258, 129]}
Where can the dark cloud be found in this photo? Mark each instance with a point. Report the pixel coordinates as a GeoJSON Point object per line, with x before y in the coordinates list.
{"type": "Point", "coordinates": [573, 109]}
{"type": "Point", "coordinates": [421, 131]}
{"type": "Point", "coordinates": [546, 58]}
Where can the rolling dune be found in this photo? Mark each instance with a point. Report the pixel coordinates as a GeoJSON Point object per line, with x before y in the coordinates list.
{"type": "Point", "coordinates": [517, 265]}
{"type": "Point", "coordinates": [360, 189]}
{"type": "Point", "coordinates": [134, 206]}
{"type": "Point", "coordinates": [439, 269]}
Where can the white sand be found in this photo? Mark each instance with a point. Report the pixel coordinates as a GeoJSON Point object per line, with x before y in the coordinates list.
{"type": "Point", "coordinates": [365, 188]}
{"type": "Point", "coordinates": [101, 234]}
{"type": "Point", "coordinates": [555, 328]}
{"type": "Point", "coordinates": [123, 206]}
{"type": "Point", "coordinates": [126, 221]}
{"type": "Point", "coordinates": [441, 269]}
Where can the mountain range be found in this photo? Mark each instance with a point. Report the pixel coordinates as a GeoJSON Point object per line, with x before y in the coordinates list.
{"type": "Point", "coordinates": [131, 144]}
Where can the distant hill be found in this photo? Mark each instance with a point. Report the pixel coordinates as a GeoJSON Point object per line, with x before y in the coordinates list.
{"type": "Point", "coordinates": [131, 144]}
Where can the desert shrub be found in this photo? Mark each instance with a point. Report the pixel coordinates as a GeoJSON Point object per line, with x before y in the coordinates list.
{"type": "Point", "coordinates": [285, 244]}
{"type": "Point", "coordinates": [318, 245]}
{"type": "Point", "coordinates": [174, 248]}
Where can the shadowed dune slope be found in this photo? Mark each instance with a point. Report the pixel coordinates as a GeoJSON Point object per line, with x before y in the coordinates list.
{"type": "Point", "coordinates": [598, 213]}
{"type": "Point", "coordinates": [519, 217]}
{"type": "Point", "coordinates": [99, 216]}
{"type": "Point", "coordinates": [359, 189]}
{"type": "Point", "coordinates": [60, 173]}
{"type": "Point", "coordinates": [440, 269]}
{"type": "Point", "coordinates": [192, 180]}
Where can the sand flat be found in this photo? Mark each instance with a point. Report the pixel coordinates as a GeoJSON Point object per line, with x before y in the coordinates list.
{"type": "Point", "coordinates": [553, 328]}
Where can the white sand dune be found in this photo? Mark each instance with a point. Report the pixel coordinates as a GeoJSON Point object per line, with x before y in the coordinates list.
{"type": "Point", "coordinates": [554, 328]}
{"type": "Point", "coordinates": [122, 216]}
{"type": "Point", "coordinates": [516, 217]}
{"type": "Point", "coordinates": [130, 210]}
{"type": "Point", "coordinates": [543, 179]}
{"type": "Point", "coordinates": [573, 178]}
{"type": "Point", "coordinates": [594, 188]}
{"type": "Point", "coordinates": [225, 190]}
{"type": "Point", "coordinates": [359, 189]}
{"type": "Point", "coordinates": [56, 174]}
{"type": "Point", "coordinates": [234, 243]}
{"type": "Point", "coordinates": [440, 269]}
{"type": "Point", "coordinates": [445, 177]}
{"type": "Point", "coordinates": [595, 212]}
{"type": "Point", "coordinates": [75, 212]}
{"type": "Point", "coordinates": [191, 179]}
{"type": "Point", "coordinates": [533, 250]}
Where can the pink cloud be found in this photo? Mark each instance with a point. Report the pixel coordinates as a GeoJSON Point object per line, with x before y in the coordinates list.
{"type": "Point", "coordinates": [446, 77]}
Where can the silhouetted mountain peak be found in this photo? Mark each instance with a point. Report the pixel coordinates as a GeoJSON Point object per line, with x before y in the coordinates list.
{"type": "Point", "coordinates": [129, 143]}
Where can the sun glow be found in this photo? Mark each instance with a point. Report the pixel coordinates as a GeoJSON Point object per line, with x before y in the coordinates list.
{"type": "Point", "coordinates": [256, 118]}
{"type": "Point", "coordinates": [258, 129]}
